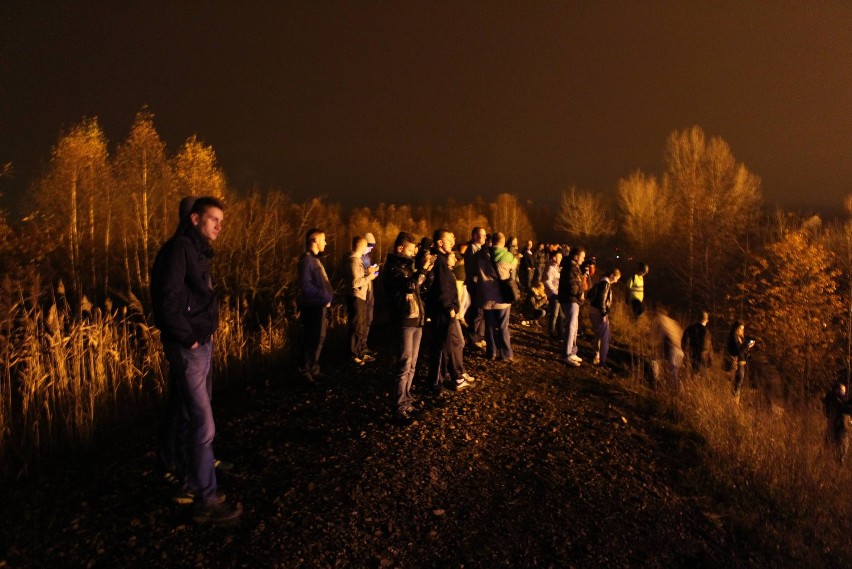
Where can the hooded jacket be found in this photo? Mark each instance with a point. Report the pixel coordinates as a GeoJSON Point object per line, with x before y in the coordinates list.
{"type": "Point", "coordinates": [185, 305]}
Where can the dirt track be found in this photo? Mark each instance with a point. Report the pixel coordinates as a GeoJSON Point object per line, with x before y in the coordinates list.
{"type": "Point", "coordinates": [536, 465]}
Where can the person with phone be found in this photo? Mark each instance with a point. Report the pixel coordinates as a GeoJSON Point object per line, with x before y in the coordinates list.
{"type": "Point", "coordinates": [738, 349]}
{"type": "Point", "coordinates": [359, 287]}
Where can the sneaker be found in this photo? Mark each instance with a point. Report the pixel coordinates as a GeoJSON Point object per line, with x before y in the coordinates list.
{"type": "Point", "coordinates": [575, 357]}
{"type": "Point", "coordinates": [215, 513]}
{"type": "Point", "coordinates": [319, 376]}
{"type": "Point", "coordinates": [358, 361]}
{"type": "Point", "coordinates": [570, 362]}
{"type": "Point", "coordinates": [171, 479]}
{"type": "Point", "coordinates": [366, 357]}
{"type": "Point", "coordinates": [596, 361]}
{"type": "Point", "coordinates": [459, 385]}
{"type": "Point", "coordinates": [223, 465]}
{"type": "Point", "coordinates": [185, 497]}
{"type": "Point", "coordinates": [468, 378]}
{"type": "Point", "coordinates": [481, 344]}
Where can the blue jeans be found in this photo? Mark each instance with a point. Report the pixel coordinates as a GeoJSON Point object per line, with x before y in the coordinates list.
{"type": "Point", "coordinates": [572, 316]}
{"type": "Point", "coordinates": [556, 317]}
{"type": "Point", "coordinates": [190, 372]}
{"type": "Point", "coordinates": [406, 364]}
{"type": "Point", "coordinates": [452, 356]}
{"type": "Point", "coordinates": [497, 334]}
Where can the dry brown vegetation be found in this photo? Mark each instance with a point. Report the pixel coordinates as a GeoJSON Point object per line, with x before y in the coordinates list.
{"type": "Point", "coordinates": [77, 350]}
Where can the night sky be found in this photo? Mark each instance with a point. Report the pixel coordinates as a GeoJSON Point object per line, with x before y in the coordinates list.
{"type": "Point", "coordinates": [409, 101]}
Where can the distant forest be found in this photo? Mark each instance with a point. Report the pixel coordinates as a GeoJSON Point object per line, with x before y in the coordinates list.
{"type": "Point", "coordinates": [74, 296]}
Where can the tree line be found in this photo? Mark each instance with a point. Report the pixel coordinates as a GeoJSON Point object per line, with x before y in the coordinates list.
{"type": "Point", "coordinates": [98, 214]}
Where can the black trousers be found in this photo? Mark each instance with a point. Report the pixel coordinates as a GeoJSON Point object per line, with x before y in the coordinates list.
{"type": "Point", "coordinates": [356, 310]}
{"type": "Point", "coordinates": [315, 321]}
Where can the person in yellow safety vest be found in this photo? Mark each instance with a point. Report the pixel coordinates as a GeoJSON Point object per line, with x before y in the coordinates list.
{"type": "Point", "coordinates": [636, 290]}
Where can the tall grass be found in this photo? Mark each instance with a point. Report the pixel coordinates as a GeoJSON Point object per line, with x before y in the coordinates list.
{"type": "Point", "coordinates": [769, 454]}
{"type": "Point", "coordinates": [67, 370]}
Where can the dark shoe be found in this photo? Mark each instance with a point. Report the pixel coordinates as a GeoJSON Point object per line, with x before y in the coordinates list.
{"type": "Point", "coordinates": [186, 497]}
{"type": "Point", "coordinates": [319, 376]}
{"type": "Point", "coordinates": [172, 479]}
{"type": "Point", "coordinates": [215, 513]}
{"type": "Point", "coordinates": [223, 465]}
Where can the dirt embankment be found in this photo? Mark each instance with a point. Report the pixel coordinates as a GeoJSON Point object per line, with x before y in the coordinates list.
{"type": "Point", "coordinates": [536, 465]}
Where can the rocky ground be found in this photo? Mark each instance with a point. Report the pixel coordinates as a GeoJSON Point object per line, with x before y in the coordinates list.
{"type": "Point", "coordinates": [536, 465]}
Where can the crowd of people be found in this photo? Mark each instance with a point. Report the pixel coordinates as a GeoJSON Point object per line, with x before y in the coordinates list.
{"type": "Point", "coordinates": [465, 291]}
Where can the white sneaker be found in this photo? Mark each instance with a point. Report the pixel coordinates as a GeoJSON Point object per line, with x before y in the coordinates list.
{"type": "Point", "coordinates": [570, 362]}
{"type": "Point", "coordinates": [468, 378]}
{"type": "Point", "coordinates": [460, 385]}
{"type": "Point", "coordinates": [575, 358]}
{"type": "Point", "coordinates": [597, 360]}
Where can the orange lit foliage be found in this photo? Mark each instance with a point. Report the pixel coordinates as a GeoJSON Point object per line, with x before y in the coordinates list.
{"type": "Point", "coordinates": [75, 206]}
{"type": "Point", "coordinates": [793, 307]}
{"type": "Point", "coordinates": [715, 201]}
{"type": "Point", "coordinates": [583, 216]}
{"type": "Point", "coordinates": [147, 198]}
{"type": "Point", "coordinates": [197, 172]}
{"type": "Point", "coordinates": [511, 218]}
{"type": "Point", "coordinates": [645, 212]}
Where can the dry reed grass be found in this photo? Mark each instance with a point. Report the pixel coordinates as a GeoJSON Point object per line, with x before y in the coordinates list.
{"type": "Point", "coordinates": [65, 370]}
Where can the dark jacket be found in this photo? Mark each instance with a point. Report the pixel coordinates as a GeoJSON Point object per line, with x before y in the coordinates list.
{"type": "Point", "coordinates": [185, 306]}
{"type": "Point", "coordinates": [600, 296]}
{"type": "Point", "coordinates": [471, 263]}
{"type": "Point", "coordinates": [570, 284]}
{"type": "Point", "coordinates": [316, 289]}
{"type": "Point", "coordinates": [400, 279]}
{"type": "Point", "coordinates": [697, 343]}
{"type": "Point", "coordinates": [738, 349]}
{"type": "Point", "coordinates": [527, 261]}
{"type": "Point", "coordinates": [442, 295]}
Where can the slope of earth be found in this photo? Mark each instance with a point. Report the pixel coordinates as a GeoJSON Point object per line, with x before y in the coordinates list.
{"type": "Point", "coordinates": [536, 465]}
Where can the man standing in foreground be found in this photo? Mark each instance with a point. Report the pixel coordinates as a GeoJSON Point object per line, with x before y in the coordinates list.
{"type": "Point", "coordinates": [314, 302]}
{"type": "Point", "coordinates": [187, 314]}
